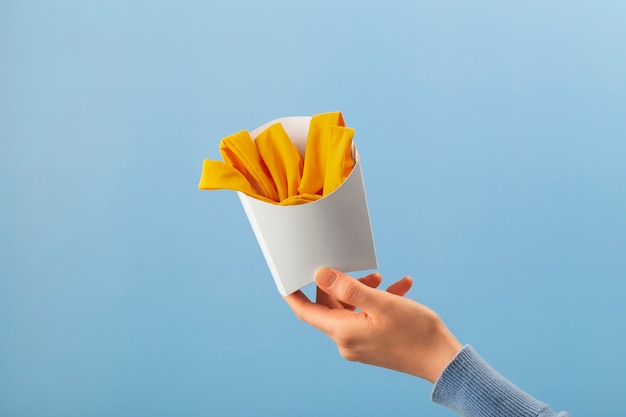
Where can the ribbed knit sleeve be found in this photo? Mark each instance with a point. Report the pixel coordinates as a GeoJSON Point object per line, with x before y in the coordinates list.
{"type": "Point", "coordinates": [472, 388]}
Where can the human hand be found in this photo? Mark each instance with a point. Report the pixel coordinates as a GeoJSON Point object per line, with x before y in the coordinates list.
{"type": "Point", "coordinates": [378, 327]}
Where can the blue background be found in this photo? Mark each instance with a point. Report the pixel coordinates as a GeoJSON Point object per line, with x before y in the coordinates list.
{"type": "Point", "coordinates": [493, 143]}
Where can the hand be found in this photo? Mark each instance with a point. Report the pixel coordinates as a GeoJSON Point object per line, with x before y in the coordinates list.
{"type": "Point", "coordinates": [378, 327]}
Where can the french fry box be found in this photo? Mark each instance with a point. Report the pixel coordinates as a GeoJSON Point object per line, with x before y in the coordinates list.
{"type": "Point", "coordinates": [298, 240]}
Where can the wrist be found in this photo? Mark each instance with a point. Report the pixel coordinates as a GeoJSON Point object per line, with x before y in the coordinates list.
{"type": "Point", "coordinates": [446, 348]}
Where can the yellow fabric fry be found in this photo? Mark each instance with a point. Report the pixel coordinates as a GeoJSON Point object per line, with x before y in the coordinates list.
{"type": "Point", "coordinates": [282, 159]}
{"type": "Point", "coordinates": [300, 199]}
{"type": "Point", "coordinates": [240, 152]}
{"type": "Point", "coordinates": [315, 153]}
{"type": "Point", "coordinates": [271, 169]}
{"type": "Point", "coordinates": [338, 157]}
{"type": "Point", "coordinates": [217, 175]}
{"type": "Point", "coordinates": [349, 161]}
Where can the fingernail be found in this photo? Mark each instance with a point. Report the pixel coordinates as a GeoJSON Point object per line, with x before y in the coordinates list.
{"type": "Point", "coordinates": [326, 277]}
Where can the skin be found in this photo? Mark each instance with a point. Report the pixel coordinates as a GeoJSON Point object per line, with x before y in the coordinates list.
{"type": "Point", "coordinates": [376, 327]}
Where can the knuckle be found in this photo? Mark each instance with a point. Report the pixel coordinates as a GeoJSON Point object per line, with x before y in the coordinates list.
{"type": "Point", "coordinates": [347, 341]}
{"type": "Point", "coordinates": [344, 341]}
{"type": "Point", "coordinates": [350, 291]}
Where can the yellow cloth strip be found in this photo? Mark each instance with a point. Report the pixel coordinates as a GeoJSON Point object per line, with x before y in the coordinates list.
{"type": "Point", "coordinates": [217, 175]}
{"type": "Point", "coordinates": [300, 199]}
{"type": "Point", "coordinates": [271, 169]}
{"type": "Point", "coordinates": [315, 153]}
{"type": "Point", "coordinates": [240, 152]}
{"type": "Point", "coordinates": [282, 160]}
{"type": "Point", "coordinates": [338, 157]}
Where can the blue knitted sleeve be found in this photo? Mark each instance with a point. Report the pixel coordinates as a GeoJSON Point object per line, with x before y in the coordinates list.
{"type": "Point", "coordinates": [472, 388]}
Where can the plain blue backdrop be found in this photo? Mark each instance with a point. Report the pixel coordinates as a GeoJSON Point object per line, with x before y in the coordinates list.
{"type": "Point", "coordinates": [493, 145]}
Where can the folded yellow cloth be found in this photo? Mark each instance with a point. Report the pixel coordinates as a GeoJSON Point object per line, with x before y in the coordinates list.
{"type": "Point", "coordinates": [271, 169]}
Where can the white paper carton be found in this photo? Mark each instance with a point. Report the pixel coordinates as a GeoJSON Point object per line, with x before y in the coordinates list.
{"type": "Point", "coordinates": [298, 240]}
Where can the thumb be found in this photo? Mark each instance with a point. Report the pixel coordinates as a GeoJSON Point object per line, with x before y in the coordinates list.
{"type": "Point", "coordinates": [346, 289]}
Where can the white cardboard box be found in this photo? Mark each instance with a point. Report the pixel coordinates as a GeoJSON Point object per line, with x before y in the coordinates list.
{"type": "Point", "coordinates": [333, 231]}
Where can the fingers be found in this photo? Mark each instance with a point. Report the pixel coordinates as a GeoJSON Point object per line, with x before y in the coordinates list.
{"type": "Point", "coordinates": [322, 298]}
{"type": "Point", "coordinates": [314, 314]}
{"type": "Point", "coordinates": [401, 287]}
{"type": "Point", "coordinates": [329, 321]}
{"type": "Point", "coordinates": [372, 280]}
{"type": "Point", "coordinates": [338, 296]}
{"type": "Point", "coordinates": [346, 289]}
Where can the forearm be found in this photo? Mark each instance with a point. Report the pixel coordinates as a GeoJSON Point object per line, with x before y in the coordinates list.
{"type": "Point", "coordinates": [472, 388]}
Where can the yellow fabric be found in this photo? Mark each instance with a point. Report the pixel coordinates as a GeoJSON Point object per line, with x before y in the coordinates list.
{"type": "Point", "coordinates": [317, 145]}
{"type": "Point", "coordinates": [240, 152]}
{"type": "Point", "coordinates": [271, 169]}
{"type": "Point", "coordinates": [300, 199]}
{"type": "Point", "coordinates": [338, 157]}
{"type": "Point", "coordinates": [217, 175]}
{"type": "Point", "coordinates": [282, 160]}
